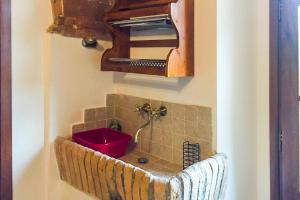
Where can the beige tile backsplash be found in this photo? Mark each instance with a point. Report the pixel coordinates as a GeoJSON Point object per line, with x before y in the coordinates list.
{"type": "Point", "coordinates": [164, 137]}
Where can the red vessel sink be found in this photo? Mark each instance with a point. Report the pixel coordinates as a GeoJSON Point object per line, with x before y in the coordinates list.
{"type": "Point", "coordinates": [107, 141]}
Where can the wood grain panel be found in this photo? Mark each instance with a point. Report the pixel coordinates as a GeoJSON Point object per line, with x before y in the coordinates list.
{"type": "Point", "coordinates": [181, 60]}
{"type": "Point", "coordinates": [102, 178]}
{"type": "Point", "coordinates": [80, 18]}
{"type": "Point", "coordinates": [71, 164]}
{"type": "Point", "coordinates": [160, 189]}
{"type": "Point", "coordinates": [81, 161]}
{"type": "Point", "coordinates": [94, 165]}
{"type": "Point", "coordinates": [110, 178]}
{"type": "Point", "coordinates": [128, 181]}
{"type": "Point", "coordinates": [147, 189]}
{"type": "Point", "coordinates": [76, 167]}
{"type": "Point", "coordinates": [134, 4]}
{"type": "Point", "coordinates": [59, 158]}
{"type": "Point", "coordinates": [127, 14]}
{"type": "Point", "coordinates": [274, 114]}
{"type": "Point", "coordinates": [64, 147]}
{"type": "Point", "coordinates": [154, 43]}
{"type": "Point", "coordinates": [88, 169]}
{"type": "Point", "coordinates": [119, 179]}
{"type": "Point", "coordinates": [5, 102]}
{"type": "Point", "coordinates": [138, 178]}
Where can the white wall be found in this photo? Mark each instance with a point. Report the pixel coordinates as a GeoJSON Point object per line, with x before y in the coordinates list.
{"type": "Point", "coordinates": [262, 99]}
{"type": "Point", "coordinates": [29, 176]}
{"type": "Point", "coordinates": [236, 123]}
{"type": "Point", "coordinates": [75, 82]}
{"type": "Point", "coordinates": [242, 123]}
{"type": "Point", "coordinates": [54, 79]}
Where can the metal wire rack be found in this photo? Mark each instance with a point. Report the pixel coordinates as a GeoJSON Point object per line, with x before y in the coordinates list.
{"type": "Point", "coordinates": [141, 62]}
{"type": "Point", "coordinates": [145, 22]}
{"type": "Point", "coordinates": [191, 154]}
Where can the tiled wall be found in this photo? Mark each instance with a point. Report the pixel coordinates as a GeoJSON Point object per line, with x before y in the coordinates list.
{"type": "Point", "coordinates": [163, 138]}
{"type": "Point", "coordinates": [95, 118]}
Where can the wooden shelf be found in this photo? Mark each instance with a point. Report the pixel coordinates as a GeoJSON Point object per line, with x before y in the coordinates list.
{"type": "Point", "coordinates": [127, 14]}
{"type": "Point", "coordinates": [134, 4]}
{"type": "Point", "coordinates": [154, 43]}
{"type": "Point", "coordinates": [180, 16]}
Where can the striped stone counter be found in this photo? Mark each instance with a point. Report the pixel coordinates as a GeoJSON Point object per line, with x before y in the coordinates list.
{"type": "Point", "coordinates": [112, 179]}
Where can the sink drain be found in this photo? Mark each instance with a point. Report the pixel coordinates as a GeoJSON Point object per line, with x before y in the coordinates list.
{"type": "Point", "coordinates": [143, 160]}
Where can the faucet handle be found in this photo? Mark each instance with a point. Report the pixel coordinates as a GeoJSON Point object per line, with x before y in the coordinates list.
{"type": "Point", "coordinates": [163, 111]}
{"type": "Point", "coordinates": [138, 108]}
{"type": "Point", "coordinates": [146, 108]}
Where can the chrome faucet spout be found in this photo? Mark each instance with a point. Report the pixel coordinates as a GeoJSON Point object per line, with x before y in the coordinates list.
{"type": "Point", "coordinates": [151, 113]}
{"type": "Point", "coordinates": [138, 132]}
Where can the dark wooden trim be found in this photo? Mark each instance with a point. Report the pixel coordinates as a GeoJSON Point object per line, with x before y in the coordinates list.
{"type": "Point", "coordinates": [274, 98]}
{"type": "Point", "coordinates": [5, 102]}
{"type": "Point", "coordinates": [154, 43]}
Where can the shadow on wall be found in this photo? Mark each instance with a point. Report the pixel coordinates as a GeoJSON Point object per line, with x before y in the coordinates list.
{"type": "Point", "coordinates": [176, 84]}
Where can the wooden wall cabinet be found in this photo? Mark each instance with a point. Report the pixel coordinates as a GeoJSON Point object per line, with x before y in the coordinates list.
{"type": "Point", "coordinates": [151, 14]}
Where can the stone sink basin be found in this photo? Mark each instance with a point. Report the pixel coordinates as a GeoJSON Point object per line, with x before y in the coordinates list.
{"type": "Point", "coordinates": [107, 141]}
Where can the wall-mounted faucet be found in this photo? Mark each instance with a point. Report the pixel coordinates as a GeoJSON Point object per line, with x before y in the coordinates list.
{"type": "Point", "coordinates": [151, 113]}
